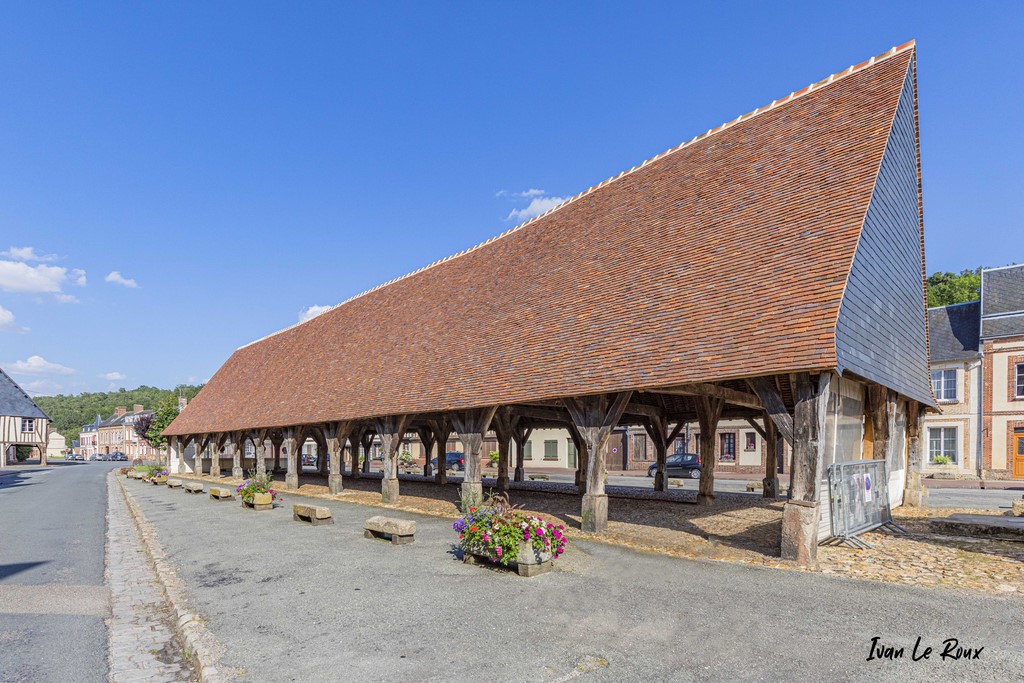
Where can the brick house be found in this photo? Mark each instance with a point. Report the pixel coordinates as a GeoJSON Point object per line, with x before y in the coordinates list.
{"type": "Point", "coordinates": [1002, 348]}
{"type": "Point", "coordinates": [117, 434]}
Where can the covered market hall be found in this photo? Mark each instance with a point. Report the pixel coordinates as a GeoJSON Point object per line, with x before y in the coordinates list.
{"type": "Point", "coordinates": [771, 269]}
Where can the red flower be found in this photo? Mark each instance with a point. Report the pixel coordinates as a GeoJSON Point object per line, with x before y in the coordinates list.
{"type": "Point", "coordinates": [473, 528]}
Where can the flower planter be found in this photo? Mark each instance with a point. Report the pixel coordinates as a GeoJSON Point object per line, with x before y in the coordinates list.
{"type": "Point", "coordinates": [530, 562]}
{"type": "Point", "coordinates": [260, 501]}
{"type": "Point", "coordinates": [158, 481]}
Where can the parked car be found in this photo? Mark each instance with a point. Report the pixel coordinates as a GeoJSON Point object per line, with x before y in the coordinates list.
{"type": "Point", "coordinates": [308, 459]}
{"type": "Point", "coordinates": [679, 465]}
{"type": "Point", "coordinates": [101, 456]}
{"type": "Point", "coordinates": [453, 461]}
{"type": "Point", "coordinates": [118, 456]}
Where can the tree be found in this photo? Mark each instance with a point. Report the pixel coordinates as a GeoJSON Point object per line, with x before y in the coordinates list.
{"type": "Point", "coordinates": [164, 415]}
{"type": "Point", "coordinates": [945, 289]}
{"type": "Point", "coordinates": [142, 425]}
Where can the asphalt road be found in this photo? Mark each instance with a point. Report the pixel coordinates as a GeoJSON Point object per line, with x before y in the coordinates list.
{"type": "Point", "coordinates": [52, 594]}
{"type": "Point", "coordinates": [301, 603]}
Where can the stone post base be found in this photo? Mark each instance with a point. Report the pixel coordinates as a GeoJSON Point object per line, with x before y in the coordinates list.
{"type": "Point", "coordinates": [916, 497]}
{"type": "Point", "coordinates": [519, 475]}
{"type": "Point", "coordinates": [389, 490]}
{"type": "Point", "coordinates": [334, 483]}
{"type": "Point", "coordinates": [181, 467]}
{"type": "Point", "coordinates": [800, 532]}
{"type": "Point", "coordinates": [291, 480]}
{"type": "Point", "coordinates": [237, 473]}
{"type": "Point", "coordinates": [472, 492]}
{"type": "Point", "coordinates": [595, 512]}
{"type": "Point", "coordinates": [659, 481]}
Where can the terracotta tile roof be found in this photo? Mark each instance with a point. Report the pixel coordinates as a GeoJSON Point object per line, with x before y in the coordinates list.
{"type": "Point", "coordinates": [724, 257]}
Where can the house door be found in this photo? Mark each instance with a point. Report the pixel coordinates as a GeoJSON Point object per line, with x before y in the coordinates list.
{"type": "Point", "coordinates": [1018, 456]}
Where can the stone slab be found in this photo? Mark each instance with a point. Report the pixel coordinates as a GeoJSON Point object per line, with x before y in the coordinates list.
{"type": "Point", "coordinates": [398, 531]}
{"type": "Point", "coordinates": [986, 526]}
{"type": "Point", "coordinates": [220, 493]}
{"type": "Point", "coordinates": [312, 514]}
{"type": "Point", "coordinates": [541, 477]}
{"type": "Point", "coordinates": [193, 487]}
{"type": "Point", "coordinates": [174, 483]}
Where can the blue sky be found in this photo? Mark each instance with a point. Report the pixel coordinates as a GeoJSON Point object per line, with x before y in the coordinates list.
{"type": "Point", "coordinates": [190, 177]}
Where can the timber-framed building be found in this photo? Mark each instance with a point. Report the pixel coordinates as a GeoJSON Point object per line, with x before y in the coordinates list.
{"type": "Point", "coordinates": [622, 306]}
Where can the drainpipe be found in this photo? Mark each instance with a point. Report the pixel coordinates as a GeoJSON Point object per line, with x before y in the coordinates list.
{"type": "Point", "coordinates": [979, 459]}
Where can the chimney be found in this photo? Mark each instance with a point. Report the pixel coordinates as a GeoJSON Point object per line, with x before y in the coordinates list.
{"type": "Point", "coordinates": [120, 410]}
{"type": "Point", "coordinates": [136, 408]}
{"type": "Point", "coordinates": [182, 402]}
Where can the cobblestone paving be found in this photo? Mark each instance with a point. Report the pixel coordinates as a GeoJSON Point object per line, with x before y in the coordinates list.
{"type": "Point", "coordinates": [142, 645]}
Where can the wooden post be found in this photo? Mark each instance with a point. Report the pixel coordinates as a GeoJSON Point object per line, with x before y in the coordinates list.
{"type": "Point", "coordinates": [504, 425]}
{"type": "Point", "coordinates": [235, 446]}
{"type": "Point", "coordinates": [878, 406]}
{"type": "Point", "coordinates": [594, 417]}
{"type": "Point", "coordinates": [521, 435]}
{"type": "Point", "coordinates": [915, 494]}
{"type": "Point", "coordinates": [582, 458]}
{"type": "Point", "coordinates": [215, 454]}
{"type": "Point", "coordinates": [291, 445]}
{"type": "Point", "coordinates": [426, 435]}
{"type": "Point", "coordinates": [441, 429]}
{"type": "Point", "coordinates": [200, 440]}
{"type": "Point", "coordinates": [391, 429]}
{"type": "Point", "coordinates": [277, 442]}
{"type": "Point", "coordinates": [772, 441]}
{"type": "Point", "coordinates": [800, 514]}
{"type": "Point", "coordinates": [355, 440]}
{"type": "Point", "coordinates": [337, 434]}
{"type": "Point", "coordinates": [709, 410]}
{"type": "Point", "coordinates": [471, 425]}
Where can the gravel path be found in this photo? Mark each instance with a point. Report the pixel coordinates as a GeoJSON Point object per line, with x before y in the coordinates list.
{"type": "Point", "coordinates": [297, 603]}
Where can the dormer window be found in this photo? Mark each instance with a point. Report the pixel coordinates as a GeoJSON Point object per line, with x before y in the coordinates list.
{"type": "Point", "coordinates": [944, 385]}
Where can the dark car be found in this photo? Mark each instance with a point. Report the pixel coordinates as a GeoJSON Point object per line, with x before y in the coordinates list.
{"type": "Point", "coordinates": [679, 465]}
{"type": "Point", "coordinates": [118, 456]}
{"type": "Point", "coordinates": [453, 461]}
{"type": "Point", "coordinates": [101, 456]}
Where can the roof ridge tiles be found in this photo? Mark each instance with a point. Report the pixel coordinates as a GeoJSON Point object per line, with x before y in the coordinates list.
{"type": "Point", "coordinates": [813, 87]}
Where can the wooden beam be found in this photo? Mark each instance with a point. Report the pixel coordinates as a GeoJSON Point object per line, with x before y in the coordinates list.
{"type": "Point", "coordinates": [774, 406]}
{"type": "Point", "coordinates": [739, 398]}
{"type": "Point", "coordinates": [758, 428]}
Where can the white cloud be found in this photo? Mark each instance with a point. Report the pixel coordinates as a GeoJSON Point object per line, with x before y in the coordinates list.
{"type": "Point", "coordinates": [41, 387]}
{"type": "Point", "coordinates": [536, 207]}
{"type": "Point", "coordinates": [27, 254]}
{"type": "Point", "coordinates": [118, 279]}
{"type": "Point", "coordinates": [114, 376]}
{"type": "Point", "coordinates": [78, 276]}
{"type": "Point", "coordinates": [21, 277]}
{"type": "Point", "coordinates": [37, 365]}
{"type": "Point", "coordinates": [7, 323]}
{"type": "Point", "coordinates": [66, 298]}
{"type": "Point", "coordinates": [525, 194]}
{"type": "Point", "coordinates": [312, 312]}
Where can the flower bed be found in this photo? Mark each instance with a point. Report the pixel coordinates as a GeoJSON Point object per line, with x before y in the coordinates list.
{"type": "Point", "coordinates": [497, 533]}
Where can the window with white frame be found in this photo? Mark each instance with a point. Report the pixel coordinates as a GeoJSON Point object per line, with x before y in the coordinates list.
{"type": "Point", "coordinates": [1020, 380]}
{"type": "Point", "coordinates": [944, 384]}
{"type": "Point", "coordinates": [942, 445]}
{"type": "Point", "coordinates": [28, 424]}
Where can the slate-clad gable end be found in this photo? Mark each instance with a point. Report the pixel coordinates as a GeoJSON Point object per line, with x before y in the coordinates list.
{"type": "Point", "coordinates": [880, 333]}
{"type": "Point", "coordinates": [953, 332]}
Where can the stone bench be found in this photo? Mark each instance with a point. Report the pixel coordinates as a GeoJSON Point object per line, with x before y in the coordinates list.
{"type": "Point", "coordinates": [677, 483]}
{"type": "Point", "coordinates": [174, 483]}
{"type": "Point", "coordinates": [312, 514]}
{"type": "Point", "coordinates": [753, 486]}
{"type": "Point", "coordinates": [219, 493]}
{"type": "Point", "coordinates": [192, 487]}
{"type": "Point", "coordinates": [541, 477]}
{"type": "Point", "coordinates": [398, 531]}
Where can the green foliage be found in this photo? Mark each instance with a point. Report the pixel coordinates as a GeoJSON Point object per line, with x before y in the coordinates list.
{"type": "Point", "coordinates": [69, 413]}
{"type": "Point", "coordinates": [166, 411]}
{"type": "Point", "coordinates": [493, 457]}
{"type": "Point", "coordinates": [941, 460]}
{"type": "Point", "coordinates": [405, 458]}
{"type": "Point", "coordinates": [496, 529]}
{"type": "Point", "coordinates": [945, 289]}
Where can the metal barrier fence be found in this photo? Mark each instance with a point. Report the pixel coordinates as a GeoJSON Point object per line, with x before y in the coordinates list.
{"type": "Point", "coordinates": [858, 501]}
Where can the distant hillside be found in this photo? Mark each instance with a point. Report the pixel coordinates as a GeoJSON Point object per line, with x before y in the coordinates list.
{"type": "Point", "coordinates": [69, 413]}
